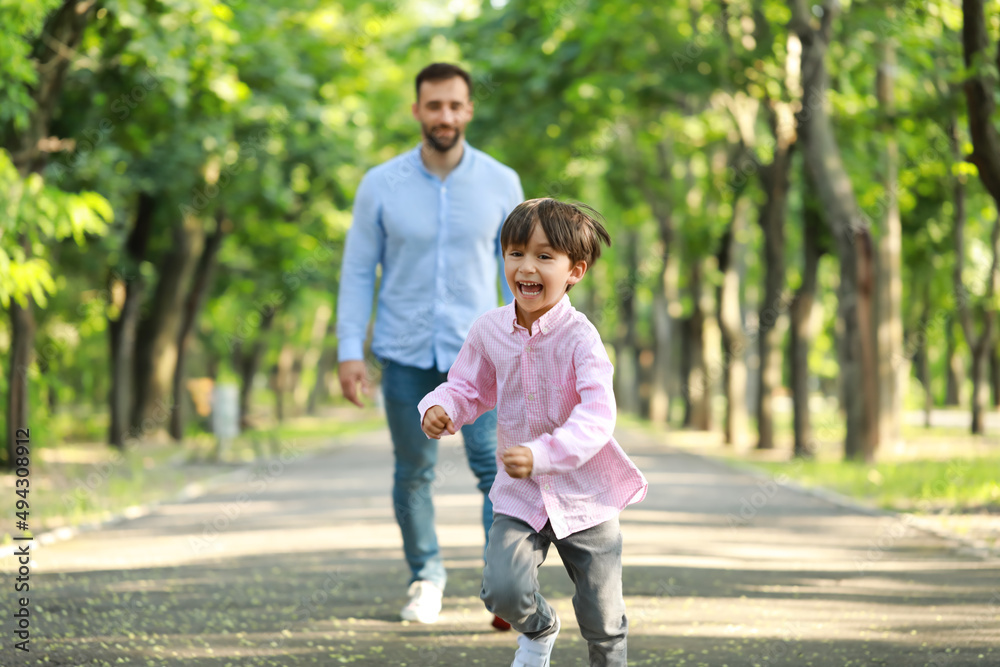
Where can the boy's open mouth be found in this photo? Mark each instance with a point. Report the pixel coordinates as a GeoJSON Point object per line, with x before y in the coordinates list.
{"type": "Point", "coordinates": [529, 289]}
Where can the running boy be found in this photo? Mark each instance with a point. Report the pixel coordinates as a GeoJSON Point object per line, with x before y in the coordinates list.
{"type": "Point", "coordinates": [564, 479]}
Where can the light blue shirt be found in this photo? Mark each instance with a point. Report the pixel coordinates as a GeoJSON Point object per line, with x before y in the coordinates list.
{"type": "Point", "coordinates": [438, 243]}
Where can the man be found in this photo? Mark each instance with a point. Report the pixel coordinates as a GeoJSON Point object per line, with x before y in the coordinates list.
{"type": "Point", "coordinates": [431, 217]}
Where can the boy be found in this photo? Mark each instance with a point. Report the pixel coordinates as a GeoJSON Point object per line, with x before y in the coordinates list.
{"type": "Point", "coordinates": [564, 478]}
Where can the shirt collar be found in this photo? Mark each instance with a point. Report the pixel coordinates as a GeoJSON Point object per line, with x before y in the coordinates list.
{"type": "Point", "coordinates": [463, 165]}
{"type": "Point", "coordinates": [546, 322]}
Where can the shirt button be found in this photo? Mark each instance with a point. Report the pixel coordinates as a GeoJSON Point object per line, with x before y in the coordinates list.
{"type": "Point", "coordinates": [546, 487]}
{"type": "Point", "coordinates": [531, 397]}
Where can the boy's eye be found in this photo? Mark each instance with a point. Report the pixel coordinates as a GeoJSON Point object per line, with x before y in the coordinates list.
{"type": "Point", "coordinates": [544, 256]}
{"type": "Point", "coordinates": [514, 253]}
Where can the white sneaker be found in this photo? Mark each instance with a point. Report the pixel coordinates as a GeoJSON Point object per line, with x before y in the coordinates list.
{"type": "Point", "coordinates": [425, 603]}
{"type": "Point", "coordinates": [535, 652]}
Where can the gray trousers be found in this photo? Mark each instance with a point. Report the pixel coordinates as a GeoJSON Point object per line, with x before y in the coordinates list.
{"type": "Point", "coordinates": [593, 559]}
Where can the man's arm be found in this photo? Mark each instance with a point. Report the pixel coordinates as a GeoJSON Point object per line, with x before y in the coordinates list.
{"type": "Point", "coordinates": [362, 253]}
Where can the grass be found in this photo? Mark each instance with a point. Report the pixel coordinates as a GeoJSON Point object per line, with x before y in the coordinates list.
{"type": "Point", "coordinates": [937, 470]}
{"type": "Point", "coordinates": [959, 485]}
{"type": "Point", "coordinates": [80, 483]}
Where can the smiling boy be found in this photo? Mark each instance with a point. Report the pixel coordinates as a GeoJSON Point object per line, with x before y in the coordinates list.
{"type": "Point", "coordinates": [564, 479]}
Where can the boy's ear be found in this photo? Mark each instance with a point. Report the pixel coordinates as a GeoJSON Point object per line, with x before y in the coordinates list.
{"type": "Point", "coordinates": [577, 272]}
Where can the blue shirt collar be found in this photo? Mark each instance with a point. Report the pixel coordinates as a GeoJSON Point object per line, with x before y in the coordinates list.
{"type": "Point", "coordinates": [463, 165]}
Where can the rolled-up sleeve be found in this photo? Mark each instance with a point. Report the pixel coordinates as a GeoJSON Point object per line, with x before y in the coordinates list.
{"type": "Point", "coordinates": [471, 388]}
{"type": "Point", "coordinates": [592, 421]}
{"type": "Point", "coordinates": [362, 254]}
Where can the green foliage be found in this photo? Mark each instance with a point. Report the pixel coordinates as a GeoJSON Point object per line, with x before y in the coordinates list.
{"type": "Point", "coordinates": [34, 214]}
{"type": "Point", "coordinates": [265, 116]}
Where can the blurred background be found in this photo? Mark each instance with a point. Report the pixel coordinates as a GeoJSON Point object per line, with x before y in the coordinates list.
{"type": "Point", "coordinates": [802, 198]}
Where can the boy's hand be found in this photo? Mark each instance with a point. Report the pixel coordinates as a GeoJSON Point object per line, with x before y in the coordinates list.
{"type": "Point", "coordinates": [436, 422]}
{"type": "Point", "coordinates": [518, 462]}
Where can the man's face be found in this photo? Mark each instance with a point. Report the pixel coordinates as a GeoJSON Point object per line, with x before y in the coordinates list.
{"type": "Point", "coordinates": [443, 109]}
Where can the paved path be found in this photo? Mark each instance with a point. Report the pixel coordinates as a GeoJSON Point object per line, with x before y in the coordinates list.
{"type": "Point", "coordinates": [302, 565]}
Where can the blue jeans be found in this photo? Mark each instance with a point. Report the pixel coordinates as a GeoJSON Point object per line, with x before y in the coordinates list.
{"type": "Point", "coordinates": [416, 455]}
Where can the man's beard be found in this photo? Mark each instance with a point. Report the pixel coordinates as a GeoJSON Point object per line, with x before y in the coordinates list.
{"type": "Point", "coordinates": [442, 145]}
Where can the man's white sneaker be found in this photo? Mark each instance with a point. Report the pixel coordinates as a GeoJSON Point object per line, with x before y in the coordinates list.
{"type": "Point", "coordinates": [425, 603]}
{"type": "Point", "coordinates": [535, 652]}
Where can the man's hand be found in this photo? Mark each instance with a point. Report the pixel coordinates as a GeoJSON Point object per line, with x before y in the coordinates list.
{"type": "Point", "coordinates": [351, 374]}
{"type": "Point", "coordinates": [436, 422]}
{"type": "Point", "coordinates": [518, 462]}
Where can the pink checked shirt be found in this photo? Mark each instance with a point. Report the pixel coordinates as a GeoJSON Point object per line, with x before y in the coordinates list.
{"type": "Point", "coordinates": [553, 394]}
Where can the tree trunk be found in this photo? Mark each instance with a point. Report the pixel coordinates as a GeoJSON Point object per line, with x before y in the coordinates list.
{"type": "Point", "coordinates": [848, 227]}
{"type": "Point", "coordinates": [955, 368]}
{"type": "Point", "coordinates": [995, 376]}
{"type": "Point", "coordinates": [775, 180]}
{"type": "Point", "coordinates": [627, 371]}
{"type": "Point", "coordinates": [327, 355]}
{"type": "Point", "coordinates": [731, 324]}
{"type": "Point", "coordinates": [281, 379]}
{"type": "Point", "coordinates": [156, 345]}
{"type": "Point", "coordinates": [980, 93]}
{"type": "Point", "coordinates": [126, 290]}
{"type": "Point", "coordinates": [801, 336]}
{"type": "Point", "coordinates": [249, 362]}
{"type": "Point", "coordinates": [59, 38]}
{"type": "Point", "coordinates": [665, 294]}
{"type": "Point", "coordinates": [314, 354]}
{"type": "Point", "coordinates": [923, 357]}
{"type": "Point", "coordinates": [699, 387]}
{"type": "Point", "coordinates": [978, 426]}
{"type": "Point", "coordinates": [192, 307]}
{"type": "Point", "coordinates": [893, 367]}
{"type": "Point", "coordinates": [22, 336]}
{"type": "Point", "coordinates": [61, 35]}
{"type": "Point", "coordinates": [980, 345]}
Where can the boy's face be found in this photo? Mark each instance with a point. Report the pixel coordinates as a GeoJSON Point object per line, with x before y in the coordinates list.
{"type": "Point", "coordinates": [538, 274]}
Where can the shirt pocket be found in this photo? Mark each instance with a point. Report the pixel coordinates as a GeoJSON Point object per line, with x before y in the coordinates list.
{"type": "Point", "coordinates": [560, 400]}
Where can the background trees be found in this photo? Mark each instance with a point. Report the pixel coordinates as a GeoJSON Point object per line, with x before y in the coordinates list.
{"type": "Point", "coordinates": [803, 198]}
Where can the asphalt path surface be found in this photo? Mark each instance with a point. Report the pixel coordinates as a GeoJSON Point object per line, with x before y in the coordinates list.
{"type": "Point", "coordinates": [299, 562]}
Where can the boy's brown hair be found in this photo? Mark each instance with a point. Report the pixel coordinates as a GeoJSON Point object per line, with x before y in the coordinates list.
{"type": "Point", "coordinates": [572, 228]}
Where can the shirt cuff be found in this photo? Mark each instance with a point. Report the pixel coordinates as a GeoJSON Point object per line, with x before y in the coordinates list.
{"type": "Point", "coordinates": [541, 463]}
{"type": "Point", "coordinates": [350, 350]}
{"type": "Point", "coordinates": [436, 398]}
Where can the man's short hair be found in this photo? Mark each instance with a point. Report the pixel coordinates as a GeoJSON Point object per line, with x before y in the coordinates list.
{"type": "Point", "coordinates": [572, 228]}
{"type": "Point", "coordinates": [443, 72]}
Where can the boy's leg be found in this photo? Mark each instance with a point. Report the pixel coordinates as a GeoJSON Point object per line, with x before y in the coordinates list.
{"type": "Point", "coordinates": [481, 450]}
{"type": "Point", "coordinates": [415, 455]}
{"type": "Point", "coordinates": [510, 578]}
{"type": "Point", "coordinates": [593, 558]}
